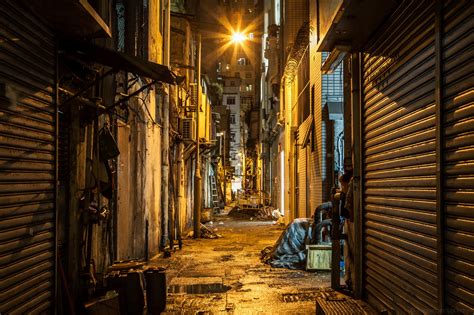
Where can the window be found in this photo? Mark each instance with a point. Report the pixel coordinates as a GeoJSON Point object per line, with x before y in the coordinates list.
{"type": "Point", "coordinates": [251, 35]}
{"type": "Point", "coordinates": [248, 75]}
{"type": "Point", "coordinates": [232, 118]}
{"type": "Point", "coordinates": [231, 100]}
{"type": "Point", "coordinates": [232, 83]}
{"type": "Point", "coordinates": [249, 88]}
{"type": "Point", "coordinates": [232, 137]}
{"type": "Point", "coordinates": [237, 74]}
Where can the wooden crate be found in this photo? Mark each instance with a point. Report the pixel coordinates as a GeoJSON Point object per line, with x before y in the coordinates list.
{"type": "Point", "coordinates": [318, 257]}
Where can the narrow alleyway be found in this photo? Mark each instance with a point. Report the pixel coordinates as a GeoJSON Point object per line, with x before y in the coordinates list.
{"type": "Point", "coordinates": [225, 275]}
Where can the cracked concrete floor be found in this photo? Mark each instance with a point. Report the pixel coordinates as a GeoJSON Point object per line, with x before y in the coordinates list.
{"type": "Point", "coordinates": [225, 275]}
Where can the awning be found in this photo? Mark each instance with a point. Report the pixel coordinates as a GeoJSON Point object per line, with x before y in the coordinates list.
{"type": "Point", "coordinates": [350, 23]}
{"type": "Point", "coordinates": [76, 18]}
{"type": "Point", "coordinates": [117, 60]}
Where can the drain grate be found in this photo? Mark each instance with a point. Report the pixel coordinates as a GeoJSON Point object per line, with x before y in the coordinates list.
{"type": "Point", "coordinates": [338, 306]}
{"type": "Point", "coordinates": [205, 288]}
{"type": "Point", "coordinates": [301, 297]}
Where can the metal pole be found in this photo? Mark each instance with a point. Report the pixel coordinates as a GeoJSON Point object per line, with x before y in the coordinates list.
{"type": "Point", "coordinates": [336, 241]}
{"type": "Point", "coordinates": [225, 172]}
{"type": "Point", "coordinates": [166, 137]}
{"type": "Point", "coordinates": [180, 188]}
{"type": "Point", "coordinates": [357, 183]}
{"type": "Point", "coordinates": [197, 175]}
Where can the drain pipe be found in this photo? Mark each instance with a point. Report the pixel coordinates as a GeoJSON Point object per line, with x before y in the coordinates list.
{"type": "Point", "coordinates": [197, 176]}
{"type": "Point", "coordinates": [166, 137]}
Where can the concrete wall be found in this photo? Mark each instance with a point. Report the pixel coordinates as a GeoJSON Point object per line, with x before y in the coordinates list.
{"type": "Point", "coordinates": [139, 171]}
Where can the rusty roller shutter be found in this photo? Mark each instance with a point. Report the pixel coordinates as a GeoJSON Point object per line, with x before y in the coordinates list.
{"type": "Point", "coordinates": [27, 162]}
{"type": "Point", "coordinates": [458, 106]}
{"type": "Point", "coordinates": [399, 162]}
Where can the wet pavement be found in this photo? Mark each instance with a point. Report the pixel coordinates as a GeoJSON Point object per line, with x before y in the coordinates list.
{"type": "Point", "coordinates": [225, 275]}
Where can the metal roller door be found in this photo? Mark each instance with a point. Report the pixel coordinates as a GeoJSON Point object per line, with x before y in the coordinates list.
{"type": "Point", "coordinates": [399, 162]}
{"type": "Point", "coordinates": [27, 162]}
{"type": "Point", "coordinates": [458, 120]}
{"type": "Point", "coordinates": [303, 166]}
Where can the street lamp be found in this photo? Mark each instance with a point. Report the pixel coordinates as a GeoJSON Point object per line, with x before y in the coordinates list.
{"type": "Point", "coordinates": [238, 37]}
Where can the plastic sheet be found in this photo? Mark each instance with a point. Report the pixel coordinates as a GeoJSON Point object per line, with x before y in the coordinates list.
{"type": "Point", "coordinates": [290, 249]}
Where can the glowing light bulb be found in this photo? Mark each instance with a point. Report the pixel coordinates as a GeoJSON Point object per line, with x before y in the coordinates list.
{"type": "Point", "coordinates": [238, 37]}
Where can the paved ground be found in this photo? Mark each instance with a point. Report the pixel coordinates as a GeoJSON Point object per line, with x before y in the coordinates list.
{"type": "Point", "coordinates": [225, 275]}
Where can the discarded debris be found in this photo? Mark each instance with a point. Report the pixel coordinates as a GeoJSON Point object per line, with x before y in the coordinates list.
{"type": "Point", "coordinates": [205, 233]}
{"type": "Point", "coordinates": [208, 233]}
{"type": "Point", "coordinates": [258, 213]}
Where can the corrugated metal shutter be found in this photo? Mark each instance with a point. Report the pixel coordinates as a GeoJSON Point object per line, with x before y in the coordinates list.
{"type": "Point", "coordinates": [302, 181]}
{"type": "Point", "coordinates": [304, 131]}
{"type": "Point", "coordinates": [27, 163]}
{"type": "Point", "coordinates": [458, 105]}
{"type": "Point", "coordinates": [399, 162]}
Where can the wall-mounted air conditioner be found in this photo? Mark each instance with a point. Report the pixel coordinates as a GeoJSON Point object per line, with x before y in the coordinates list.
{"type": "Point", "coordinates": [187, 129]}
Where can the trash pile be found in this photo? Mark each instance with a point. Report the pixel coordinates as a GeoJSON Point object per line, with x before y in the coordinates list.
{"type": "Point", "coordinates": [209, 233]}
{"type": "Point", "coordinates": [262, 213]}
{"type": "Point", "coordinates": [206, 232]}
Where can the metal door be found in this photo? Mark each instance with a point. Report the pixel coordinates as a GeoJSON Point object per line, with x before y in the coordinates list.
{"type": "Point", "coordinates": [458, 154]}
{"type": "Point", "coordinates": [399, 162]}
{"type": "Point", "coordinates": [27, 162]}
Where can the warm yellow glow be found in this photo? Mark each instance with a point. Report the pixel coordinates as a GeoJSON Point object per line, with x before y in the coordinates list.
{"type": "Point", "coordinates": [225, 38]}
{"type": "Point", "coordinates": [238, 37]}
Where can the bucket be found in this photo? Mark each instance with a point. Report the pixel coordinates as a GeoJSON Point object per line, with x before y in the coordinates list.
{"type": "Point", "coordinates": [155, 279]}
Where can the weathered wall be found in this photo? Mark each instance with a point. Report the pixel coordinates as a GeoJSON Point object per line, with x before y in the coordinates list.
{"type": "Point", "coordinates": [153, 137]}
{"type": "Point", "coordinates": [139, 169]}
{"type": "Point", "coordinates": [315, 161]}
{"type": "Point", "coordinates": [124, 206]}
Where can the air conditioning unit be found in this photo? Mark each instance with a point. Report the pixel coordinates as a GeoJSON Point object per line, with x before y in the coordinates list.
{"type": "Point", "coordinates": [188, 129]}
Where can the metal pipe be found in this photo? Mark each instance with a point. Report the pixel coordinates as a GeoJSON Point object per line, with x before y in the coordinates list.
{"type": "Point", "coordinates": [165, 148]}
{"type": "Point", "coordinates": [56, 179]}
{"type": "Point", "coordinates": [180, 189]}
{"type": "Point", "coordinates": [347, 114]}
{"type": "Point", "coordinates": [82, 100]}
{"type": "Point", "coordinates": [357, 171]}
{"type": "Point", "coordinates": [88, 86]}
{"type": "Point", "coordinates": [335, 240]}
{"type": "Point", "coordinates": [197, 176]}
{"type": "Point", "coordinates": [440, 220]}
{"type": "Point", "coordinates": [129, 96]}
